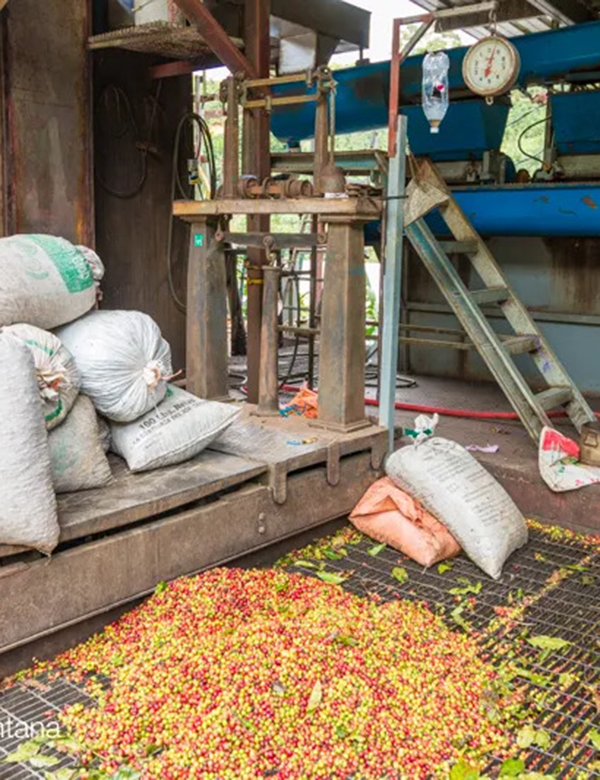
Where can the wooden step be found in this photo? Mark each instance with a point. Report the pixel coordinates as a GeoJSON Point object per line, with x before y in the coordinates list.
{"type": "Point", "coordinates": [554, 397]}
{"type": "Point", "coordinates": [459, 247]}
{"type": "Point", "coordinates": [520, 345]}
{"type": "Point", "coordinates": [490, 295]}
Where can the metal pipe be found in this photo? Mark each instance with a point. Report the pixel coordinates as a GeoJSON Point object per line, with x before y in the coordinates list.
{"type": "Point", "coordinates": [231, 162]}
{"type": "Point", "coordinates": [362, 93]}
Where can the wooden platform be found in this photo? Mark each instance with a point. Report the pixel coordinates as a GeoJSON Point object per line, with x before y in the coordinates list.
{"type": "Point", "coordinates": [359, 208]}
{"type": "Point", "coordinates": [265, 480]}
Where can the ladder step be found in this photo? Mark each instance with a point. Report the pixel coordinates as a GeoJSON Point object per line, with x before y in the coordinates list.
{"type": "Point", "coordinates": [520, 345]}
{"type": "Point", "coordinates": [490, 295]}
{"type": "Point", "coordinates": [554, 397]}
{"type": "Point", "coordinates": [459, 247]}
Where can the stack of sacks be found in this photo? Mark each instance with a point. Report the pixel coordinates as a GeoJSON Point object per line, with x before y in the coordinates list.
{"type": "Point", "coordinates": [125, 368]}
{"type": "Point", "coordinates": [48, 431]}
{"type": "Point", "coordinates": [437, 498]}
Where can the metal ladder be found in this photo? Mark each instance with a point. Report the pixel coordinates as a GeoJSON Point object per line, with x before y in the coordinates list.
{"type": "Point", "coordinates": [427, 191]}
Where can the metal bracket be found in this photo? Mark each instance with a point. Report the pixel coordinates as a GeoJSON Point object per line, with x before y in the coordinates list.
{"type": "Point", "coordinates": [333, 463]}
{"type": "Point", "coordinates": [278, 482]}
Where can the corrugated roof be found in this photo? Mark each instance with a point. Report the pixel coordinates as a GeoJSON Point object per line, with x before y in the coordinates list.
{"type": "Point", "coordinates": [547, 17]}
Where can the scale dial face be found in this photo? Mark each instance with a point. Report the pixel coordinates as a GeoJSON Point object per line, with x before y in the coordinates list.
{"type": "Point", "coordinates": [491, 66]}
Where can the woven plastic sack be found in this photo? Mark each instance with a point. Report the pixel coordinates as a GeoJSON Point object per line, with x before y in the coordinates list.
{"type": "Point", "coordinates": [456, 489]}
{"type": "Point", "coordinates": [27, 501]}
{"type": "Point", "coordinates": [123, 360]}
{"type": "Point", "coordinates": [388, 514]}
{"type": "Point", "coordinates": [181, 427]}
{"type": "Point", "coordinates": [78, 459]}
{"type": "Point", "coordinates": [104, 433]}
{"type": "Point", "coordinates": [57, 375]}
{"type": "Point", "coordinates": [46, 281]}
{"type": "Point", "coordinates": [558, 459]}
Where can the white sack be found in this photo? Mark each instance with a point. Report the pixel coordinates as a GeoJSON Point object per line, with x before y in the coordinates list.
{"type": "Point", "coordinates": [464, 497]}
{"type": "Point", "coordinates": [123, 361]}
{"type": "Point", "coordinates": [104, 433]}
{"type": "Point", "coordinates": [78, 459]}
{"type": "Point", "coordinates": [46, 281]}
{"type": "Point", "coordinates": [178, 429]}
{"type": "Point", "coordinates": [57, 375]}
{"type": "Point", "coordinates": [27, 501]}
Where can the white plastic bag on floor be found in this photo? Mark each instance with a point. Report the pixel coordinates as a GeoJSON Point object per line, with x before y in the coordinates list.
{"type": "Point", "coordinates": [78, 459]}
{"type": "Point", "coordinates": [27, 500]}
{"type": "Point", "coordinates": [181, 427]}
{"type": "Point", "coordinates": [558, 459]}
{"type": "Point", "coordinates": [57, 375]}
{"type": "Point", "coordinates": [46, 281]}
{"type": "Point", "coordinates": [456, 489]}
{"type": "Point", "coordinates": [123, 360]}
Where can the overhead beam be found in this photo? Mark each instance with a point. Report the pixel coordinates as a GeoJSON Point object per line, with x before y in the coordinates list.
{"type": "Point", "coordinates": [216, 37]}
{"type": "Point", "coordinates": [335, 18]}
{"type": "Point", "coordinates": [566, 11]}
{"type": "Point", "coordinates": [506, 11]}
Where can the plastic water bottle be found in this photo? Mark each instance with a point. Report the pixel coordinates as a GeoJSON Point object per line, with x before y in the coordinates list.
{"type": "Point", "coordinates": [435, 88]}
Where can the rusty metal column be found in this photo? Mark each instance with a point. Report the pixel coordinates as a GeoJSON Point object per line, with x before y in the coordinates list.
{"type": "Point", "coordinates": [342, 343]}
{"type": "Point", "coordinates": [256, 161]}
{"type": "Point", "coordinates": [231, 162]}
{"type": "Point", "coordinates": [268, 396]}
{"type": "Point", "coordinates": [206, 369]}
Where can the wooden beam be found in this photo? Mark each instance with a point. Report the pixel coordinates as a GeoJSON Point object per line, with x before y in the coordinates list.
{"type": "Point", "coordinates": [565, 11]}
{"type": "Point", "coordinates": [176, 68]}
{"type": "Point", "coordinates": [367, 208]}
{"type": "Point", "coordinates": [336, 18]}
{"type": "Point", "coordinates": [216, 37]}
{"type": "Point", "coordinates": [256, 161]}
{"type": "Point", "coordinates": [568, 11]}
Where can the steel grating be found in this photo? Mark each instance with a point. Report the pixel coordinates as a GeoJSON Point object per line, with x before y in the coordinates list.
{"type": "Point", "coordinates": [564, 605]}
{"type": "Point", "coordinates": [549, 588]}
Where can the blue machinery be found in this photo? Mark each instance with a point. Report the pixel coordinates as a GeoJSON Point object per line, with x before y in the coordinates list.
{"type": "Point", "coordinates": [564, 200]}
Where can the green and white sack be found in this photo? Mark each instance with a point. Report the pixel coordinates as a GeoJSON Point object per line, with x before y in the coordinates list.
{"type": "Point", "coordinates": [57, 375]}
{"type": "Point", "coordinates": [181, 427]}
{"type": "Point", "coordinates": [78, 459]}
{"type": "Point", "coordinates": [464, 497]}
{"type": "Point", "coordinates": [28, 514]}
{"type": "Point", "coordinates": [123, 360]}
{"type": "Point", "coordinates": [46, 281]}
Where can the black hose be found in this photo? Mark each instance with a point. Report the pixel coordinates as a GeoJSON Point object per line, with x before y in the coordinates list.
{"type": "Point", "coordinates": [294, 355]}
{"type": "Point", "coordinates": [527, 129]}
{"type": "Point", "coordinates": [177, 186]}
{"type": "Point", "coordinates": [128, 124]}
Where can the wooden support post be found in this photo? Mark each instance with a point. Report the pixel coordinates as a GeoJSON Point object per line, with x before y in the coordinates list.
{"type": "Point", "coordinates": [321, 157]}
{"type": "Point", "coordinates": [268, 403]}
{"type": "Point", "coordinates": [231, 150]}
{"type": "Point", "coordinates": [206, 314]}
{"type": "Point", "coordinates": [342, 345]}
{"type": "Point", "coordinates": [216, 37]}
{"type": "Point", "coordinates": [256, 161]}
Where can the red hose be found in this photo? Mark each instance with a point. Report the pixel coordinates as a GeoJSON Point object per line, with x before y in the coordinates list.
{"type": "Point", "coordinates": [441, 410]}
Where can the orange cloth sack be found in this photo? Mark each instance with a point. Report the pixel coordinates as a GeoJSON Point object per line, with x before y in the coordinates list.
{"type": "Point", "coordinates": [388, 514]}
